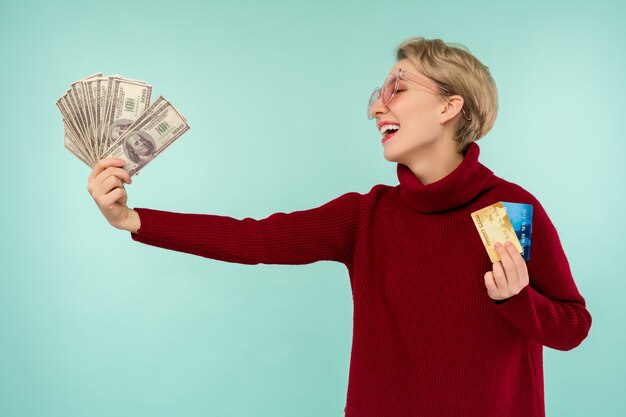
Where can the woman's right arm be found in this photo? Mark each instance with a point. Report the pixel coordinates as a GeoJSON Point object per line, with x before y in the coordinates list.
{"type": "Point", "coordinates": [324, 233]}
{"type": "Point", "coordinates": [327, 232]}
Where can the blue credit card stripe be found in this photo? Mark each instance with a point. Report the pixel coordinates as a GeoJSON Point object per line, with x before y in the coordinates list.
{"type": "Point", "coordinates": [521, 217]}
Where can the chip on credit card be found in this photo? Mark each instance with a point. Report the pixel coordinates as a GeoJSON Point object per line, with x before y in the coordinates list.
{"type": "Point", "coordinates": [504, 221]}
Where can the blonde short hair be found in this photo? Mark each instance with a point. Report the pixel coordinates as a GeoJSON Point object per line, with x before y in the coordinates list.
{"type": "Point", "coordinates": [456, 70]}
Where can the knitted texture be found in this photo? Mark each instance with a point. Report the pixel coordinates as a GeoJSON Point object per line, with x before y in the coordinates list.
{"type": "Point", "coordinates": [427, 338]}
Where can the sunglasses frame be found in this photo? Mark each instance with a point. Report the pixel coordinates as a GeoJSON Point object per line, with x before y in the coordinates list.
{"type": "Point", "coordinates": [401, 74]}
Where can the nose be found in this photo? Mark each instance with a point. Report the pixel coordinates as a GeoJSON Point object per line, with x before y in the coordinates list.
{"type": "Point", "coordinates": [377, 108]}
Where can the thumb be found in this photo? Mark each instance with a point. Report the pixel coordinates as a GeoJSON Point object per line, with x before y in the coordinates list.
{"type": "Point", "coordinates": [489, 281]}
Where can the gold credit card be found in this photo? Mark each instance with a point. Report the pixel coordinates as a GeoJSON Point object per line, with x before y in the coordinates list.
{"type": "Point", "coordinates": [493, 226]}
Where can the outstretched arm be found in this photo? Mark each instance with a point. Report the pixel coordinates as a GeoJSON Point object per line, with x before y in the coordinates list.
{"type": "Point", "coordinates": [323, 233]}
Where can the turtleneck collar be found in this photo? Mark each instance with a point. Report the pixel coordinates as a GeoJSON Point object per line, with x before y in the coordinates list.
{"type": "Point", "coordinates": [453, 190]}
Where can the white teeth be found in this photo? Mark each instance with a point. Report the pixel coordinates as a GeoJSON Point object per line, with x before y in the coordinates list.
{"type": "Point", "coordinates": [387, 127]}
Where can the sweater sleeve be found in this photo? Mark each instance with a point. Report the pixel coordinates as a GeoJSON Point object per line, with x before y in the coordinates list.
{"type": "Point", "coordinates": [301, 237]}
{"type": "Point", "coordinates": [550, 310]}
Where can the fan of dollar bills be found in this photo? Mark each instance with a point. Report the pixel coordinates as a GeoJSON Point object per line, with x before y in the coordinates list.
{"type": "Point", "coordinates": [111, 116]}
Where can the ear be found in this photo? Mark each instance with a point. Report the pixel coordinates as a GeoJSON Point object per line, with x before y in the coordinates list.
{"type": "Point", "coordinates": [451, 108]}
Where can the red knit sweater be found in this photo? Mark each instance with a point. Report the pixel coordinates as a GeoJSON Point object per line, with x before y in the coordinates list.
{"type": "Point", "coordinates": [427, 339]}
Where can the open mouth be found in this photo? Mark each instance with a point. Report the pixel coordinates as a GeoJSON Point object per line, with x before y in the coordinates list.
{"type": "Point", "coordinates": [388, 136]}
{"type": "Point", "coordinates": [389, 131]}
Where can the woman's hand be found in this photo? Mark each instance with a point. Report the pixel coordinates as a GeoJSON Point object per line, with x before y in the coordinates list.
{"type": "Point", "coordinates": [106, 186]}
{"type": "Point", "coordinates": [509, 275]}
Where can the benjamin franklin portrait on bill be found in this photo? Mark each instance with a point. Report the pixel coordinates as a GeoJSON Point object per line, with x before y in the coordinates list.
{"type": "Point", "coordinates": [139, 147]}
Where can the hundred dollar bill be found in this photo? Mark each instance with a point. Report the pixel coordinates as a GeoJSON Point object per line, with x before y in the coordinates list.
{"type": "Point", "coordinates": [73, 127]}
{"type": "Point", "coordinates": [76, 137]}
{"type": "Point", "coordinates": [82, 112]}
{"type": "Point", "coordinates": [128, 99]}
{"type": "Point", "coordinates": [158, 127]}
{"type": "Point", "coordinates": [97, 111]}
{"type": "Point", "coordinates": [71, 133]}
{"type": "Point", "coordinates": [73, 147]}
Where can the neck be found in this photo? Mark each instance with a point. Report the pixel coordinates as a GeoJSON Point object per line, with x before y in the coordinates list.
{"type": "Point", "coordinates": [435, 162]}
{"type": "Point", "coordinates": [457, 188]}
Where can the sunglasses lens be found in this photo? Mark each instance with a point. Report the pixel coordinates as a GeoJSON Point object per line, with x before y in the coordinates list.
{"type": "Point", "coordinates": [389, 89]}
{"type": "Point", "coordinates": [373, 98]}
{"type": "Point", "coordinates": [386, 93]}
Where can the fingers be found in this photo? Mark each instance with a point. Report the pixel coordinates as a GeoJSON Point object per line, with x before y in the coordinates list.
{"type": "Point", "coordinates": [520, 267]}
{"type": "Point", "coordinates": [110, 200]}
{"type": "Point", "coordinates": [95, 183]}
{"type": "Point", "coordinates": [103, 164]}
{"type": "Point", "coordinates": [499, 277]}
{"type": "Point", "coordinates": [110, 183]}
{"type": "Point", "coordinates": [490, 283]}
{"type": "Point", "coordinates": [509, 275]}
{"type": "Point", "coordinates": [506, 252]}
{"type": "Point", "coordinates": [120, 173]}
{"type": "Point", "coordinates": [109, 191]}
{"type": "Point", "coordinates": [107, 188]}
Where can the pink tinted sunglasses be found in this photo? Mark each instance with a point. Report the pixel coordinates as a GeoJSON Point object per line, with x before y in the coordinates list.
{"type": "Point", "coordinates": [390, 88]}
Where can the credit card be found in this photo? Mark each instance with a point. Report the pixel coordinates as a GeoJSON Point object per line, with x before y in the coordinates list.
{"type": "Point", "coordinates": [493, 225]}
{"type": "Point", "coordinates": [521, 218]}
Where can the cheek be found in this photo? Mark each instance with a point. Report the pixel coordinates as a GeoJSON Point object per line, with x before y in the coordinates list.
{"type": "Point", "coordinates": [421, 122]}
{"type": "Point", "coordinates": [417, 111]}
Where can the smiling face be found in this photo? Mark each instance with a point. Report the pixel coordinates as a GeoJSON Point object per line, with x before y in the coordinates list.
{"type": "Point", "coordinates": [420, 114]}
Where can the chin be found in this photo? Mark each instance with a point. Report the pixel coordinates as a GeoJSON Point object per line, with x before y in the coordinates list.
{"type": "Point", "coordinates": [396, 151]}
{"type": "Point", "coordinates": [392, 156]}
{"type": "Point", "coordinates": [401, 152]}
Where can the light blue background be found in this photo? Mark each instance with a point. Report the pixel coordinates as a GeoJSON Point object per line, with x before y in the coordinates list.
{"type": "Point", "coordinates": [94, 324]}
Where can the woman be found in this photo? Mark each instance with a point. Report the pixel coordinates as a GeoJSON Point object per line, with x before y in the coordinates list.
{"type": "Point", "coordinates": [438, 329]}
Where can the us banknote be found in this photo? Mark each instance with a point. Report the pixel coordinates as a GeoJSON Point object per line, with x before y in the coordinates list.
{"type": "Point", "coordinates": [98, 112]}
{"type": "Point", "coordinates": [157, 128]}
